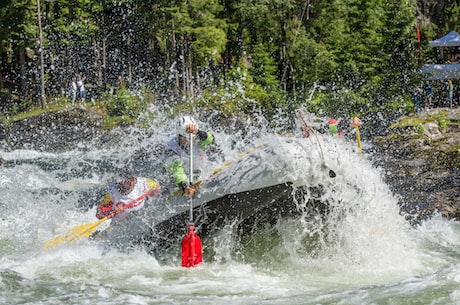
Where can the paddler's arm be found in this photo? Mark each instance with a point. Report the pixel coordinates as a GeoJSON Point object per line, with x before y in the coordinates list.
{"type": "Point", "coordinates": [204, 138]}
{"type": "Point", "coordinates": [178, 172]}
{"type": "Point", "coordinates": [105, 208]}
{"type": "Point", "coordinates": [180, 178]}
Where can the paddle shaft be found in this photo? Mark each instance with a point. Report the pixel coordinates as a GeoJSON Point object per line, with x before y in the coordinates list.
{"type": "Point", "coordinates": [192, 251]}
{"type": "Point", "coordinates": [332, 174]}
{"type": "Point", "coordinates": [191, 175]}
{"type": "Point", "coordinates": [129, 205]}
{"type": "Point", "coordinates": [358, 139]}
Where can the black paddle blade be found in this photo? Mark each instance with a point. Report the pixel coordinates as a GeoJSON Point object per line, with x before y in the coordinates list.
{"type": "Point", "coordinates": [332, 174]}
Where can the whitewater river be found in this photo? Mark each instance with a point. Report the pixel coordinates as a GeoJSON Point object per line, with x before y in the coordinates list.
{"type": "Point", "coordinates": [362, 252]}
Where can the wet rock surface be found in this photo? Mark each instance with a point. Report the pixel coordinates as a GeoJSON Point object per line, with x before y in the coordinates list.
{"type": "Point", "coordinates": [421, 162]}
{"type": "Point", "coordinates": [57, 131]}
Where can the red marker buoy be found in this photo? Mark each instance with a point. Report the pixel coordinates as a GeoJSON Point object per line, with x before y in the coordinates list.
{"type": "Point", "coordinates": [192, 252]}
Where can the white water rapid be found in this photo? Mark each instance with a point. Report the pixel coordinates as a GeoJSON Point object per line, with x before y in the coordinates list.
{"type": "Point", "coordinates": [362, 251]}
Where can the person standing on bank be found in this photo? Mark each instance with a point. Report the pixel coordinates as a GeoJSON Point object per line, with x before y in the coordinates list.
{"type": "Point", "coordinates": [416, 98]}
{"type": "Point", "coordinates": [429, 93]}
{"type": "Point", "coordinates": [81, 89]}
{"type": "Point", "coordinates": [177, 152]}
{"type": "Point", "coordinates": [73, 91]}
{"type": "Point", "coordinates": [450, 88]}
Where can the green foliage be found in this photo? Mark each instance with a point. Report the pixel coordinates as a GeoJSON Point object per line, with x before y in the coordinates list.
{"type": "Point", "coordinates": [442, 122]}
{"type": "Point", "coordinates": [441, 118]}
{"type": "Point", "coordinates": [364, 52]}
{"type": "Point", "coordinates": [114, 121]}
{"type": "Point", "coordinates": [239, 92]}
{"type": "Point", "coordinates": [344, 103]}
{"type": "Point", "coordinates": [209, 44]}
{"type": "Point", "coordinates": [419, 129]}
{"type": "Point", "coordinates": [124, 103]}
{"type": "Point", "coordinates": [452, 12]}
{"type": "Point", "coordinates": [12, 105]}
{"type": "Point", "coordinates": [263, 68]}
{"type": "Point", "coordinates": [19, 25]}
{"type": "Point", "coordinates": [310, 61]}
{"type": "Point", "coordinates": [194, 21]}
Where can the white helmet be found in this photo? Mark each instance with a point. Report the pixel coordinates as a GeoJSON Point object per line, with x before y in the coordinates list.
{"type": "Point", "coordinates": [182, 123]}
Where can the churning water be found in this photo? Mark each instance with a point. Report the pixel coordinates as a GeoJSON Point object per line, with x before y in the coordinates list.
{"type": "Point", "coordinates": [359, 251]}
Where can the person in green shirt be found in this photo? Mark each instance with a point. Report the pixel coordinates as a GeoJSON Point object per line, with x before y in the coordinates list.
{"type": "Point", "coordinates": [178, 156]}
{"type": "Point", "coordinates": [333, 129]}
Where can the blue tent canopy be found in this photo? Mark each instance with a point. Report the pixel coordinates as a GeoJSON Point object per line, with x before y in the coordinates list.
{"type": "Point", "coordinates": [434, 72]}
{"type": "Point", "coordinates": [450, 40]}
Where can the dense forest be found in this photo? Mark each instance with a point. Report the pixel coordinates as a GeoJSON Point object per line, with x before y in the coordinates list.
{"type": "Point", "coordinates": [361, 55]}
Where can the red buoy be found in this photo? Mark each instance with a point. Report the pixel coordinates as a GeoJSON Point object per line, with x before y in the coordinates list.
{"type": "Point", "coordinates": [192, 251]}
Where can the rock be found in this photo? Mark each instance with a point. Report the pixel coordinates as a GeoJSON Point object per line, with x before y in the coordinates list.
{"type": "Point", "coordinates": [55, 131]}
{"type": "Point", "coordinates": [431, 130]}
{"type": "Point", "coordinates": [4, 163]}
{"type": "Point", "coordinates": [423, 167]}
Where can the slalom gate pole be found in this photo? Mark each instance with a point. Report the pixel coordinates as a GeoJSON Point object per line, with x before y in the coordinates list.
{"type": "Point", "coordinates": [192, 250]}
{"type": "Point", "coordinates": [358, 139]}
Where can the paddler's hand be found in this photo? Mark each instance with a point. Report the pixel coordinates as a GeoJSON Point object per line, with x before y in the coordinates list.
{"type": "Point", "coordinates": [356, 122]}
{"type": "Point", "coordinates": [191, 128]}
{"type": "Point", "coordinates": [189, 190]}
{"type": "Point", "coordinates": [119, 208]}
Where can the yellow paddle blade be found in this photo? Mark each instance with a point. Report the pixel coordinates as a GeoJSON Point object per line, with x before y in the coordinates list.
{"type": "Point", "coordinates": [74, 234]}
{"type": "Point", "coordinates": [358, 139]}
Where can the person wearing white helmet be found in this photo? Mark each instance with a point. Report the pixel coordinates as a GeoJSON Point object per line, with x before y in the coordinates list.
{"type": "Point", "coordinates": [177, 152]}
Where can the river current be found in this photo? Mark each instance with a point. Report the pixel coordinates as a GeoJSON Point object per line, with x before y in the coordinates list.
{"type": "Point", "coordinates": [362, 252]}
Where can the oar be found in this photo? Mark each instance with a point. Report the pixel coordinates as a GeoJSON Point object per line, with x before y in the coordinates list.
{"type": "Point", "coordinates": [192, 250]}
{"type": "Point", "coordinates": [356, 122]}
{"type": "Point", "coordinates": [332, 174]}
{"type": "Point", "coordinates": [217, 170]}
{"type": "Point", "coordinates": [86, 230]}
{"type": "Point", "coordinates": [358, 139]}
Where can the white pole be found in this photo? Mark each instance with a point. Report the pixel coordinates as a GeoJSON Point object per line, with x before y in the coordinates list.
{"type": "Point", "coordinates": [191, 176]}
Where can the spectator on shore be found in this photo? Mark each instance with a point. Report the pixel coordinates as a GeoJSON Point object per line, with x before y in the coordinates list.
{"type": "Point", "coordinates": [416, 98]}
{"type": "Point", "coordinates": [73, 91]}
{"type": "Point", "coordinates": [450, 88]}
{"type": "Point", "coordinates": [429, 93]}
{"type": "Point", "coordinates": [81, 89]}
{"type": "Point", "coordinates": [333, 127]}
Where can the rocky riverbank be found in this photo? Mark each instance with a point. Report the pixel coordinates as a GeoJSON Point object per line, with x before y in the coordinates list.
{"type": "Point", "coordinates": [420, 153]}
{"type": "Point", "coordinates": [60, 130]}
{"type": "Point", "coordinates": [421, 158]}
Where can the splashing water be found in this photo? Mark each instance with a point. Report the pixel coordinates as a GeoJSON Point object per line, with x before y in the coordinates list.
{"type": "Point", "coordinates": [346, 243]}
